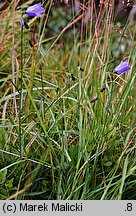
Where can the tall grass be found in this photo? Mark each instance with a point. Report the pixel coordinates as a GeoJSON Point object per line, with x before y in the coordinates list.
{"type": "Point", "coordinates": [67, 127]}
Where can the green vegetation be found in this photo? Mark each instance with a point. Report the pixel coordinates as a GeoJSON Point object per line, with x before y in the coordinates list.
{"type": "Point", "coordinates": [55, 141]}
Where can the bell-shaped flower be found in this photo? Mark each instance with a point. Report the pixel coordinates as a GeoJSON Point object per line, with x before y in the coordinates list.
{"type": "Point", "coordinates": [122, 67]}
{"type": "Point", "coordinates": [22, 23]}
{"type": "Point", "coordinates": [35, 10]}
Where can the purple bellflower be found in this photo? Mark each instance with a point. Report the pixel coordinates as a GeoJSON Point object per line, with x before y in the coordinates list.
{"type": "Point", "coordinates": [35, 10]}
{"type": "Point", "coordinates": [22, 23]}
{"type": "Point", "coordinates": [122, 68]}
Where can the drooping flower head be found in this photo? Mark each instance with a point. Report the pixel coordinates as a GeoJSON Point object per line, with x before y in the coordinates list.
{"type": "Point", "coordinates": [22, 23]}
{"type": "Point", "coordinates": [122, 67]}
{"type": "Point", "coordinates": [35, 10]}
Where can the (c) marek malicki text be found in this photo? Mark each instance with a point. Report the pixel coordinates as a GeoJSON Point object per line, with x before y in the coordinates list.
{"type": "Point", "coordinates": [53, 207]}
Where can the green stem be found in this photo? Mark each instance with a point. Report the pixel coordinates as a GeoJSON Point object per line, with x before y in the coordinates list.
{"type": "Point", "coordinates": [20, 94]}
{"type": "Point", "coordinates": [32, 73]}
{"type": "Point", "coordinates": [80, 121]}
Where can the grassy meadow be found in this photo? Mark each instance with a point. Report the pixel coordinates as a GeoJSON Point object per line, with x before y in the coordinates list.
{"type": "Point", "coordinates": [67, 120]}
